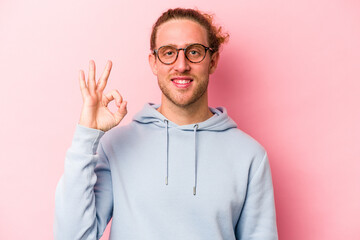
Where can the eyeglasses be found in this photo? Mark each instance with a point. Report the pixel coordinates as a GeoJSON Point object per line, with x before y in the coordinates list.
{"type": "Point", "coordinates": [195, 53]}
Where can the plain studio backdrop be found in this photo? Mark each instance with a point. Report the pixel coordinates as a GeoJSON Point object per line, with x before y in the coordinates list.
{"type": "Point", "coordinates": [289, 77]}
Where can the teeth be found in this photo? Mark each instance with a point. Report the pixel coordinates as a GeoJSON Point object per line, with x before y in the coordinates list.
{"type": "Point", "coordinates": [182, 81]}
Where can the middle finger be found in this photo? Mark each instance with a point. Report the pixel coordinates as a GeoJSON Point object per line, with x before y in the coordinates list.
{"type": "Point", "coordinates": [104, 77]}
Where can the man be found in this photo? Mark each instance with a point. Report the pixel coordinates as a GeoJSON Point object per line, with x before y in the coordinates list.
{"type": "Point", "coordinates": [180, 170]}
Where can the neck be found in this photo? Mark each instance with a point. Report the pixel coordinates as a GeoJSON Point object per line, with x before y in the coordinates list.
{"type": "Point", "coordinates": [194, 113]}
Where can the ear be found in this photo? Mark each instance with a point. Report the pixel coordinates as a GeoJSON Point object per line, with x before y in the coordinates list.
{"type": "Point", "coordinates": [152, 62]}
{"type": "Point", "coordinates": [213, 62]}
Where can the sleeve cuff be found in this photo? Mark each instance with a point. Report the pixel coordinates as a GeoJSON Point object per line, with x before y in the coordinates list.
{"type": "Point", "coordinates": [86, 139]}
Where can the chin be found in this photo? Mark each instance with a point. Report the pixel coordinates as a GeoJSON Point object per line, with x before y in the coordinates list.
{"type": "Point", "coordinates": [184, 99]}
{"type": "Point", "coordinates": [184, 102]}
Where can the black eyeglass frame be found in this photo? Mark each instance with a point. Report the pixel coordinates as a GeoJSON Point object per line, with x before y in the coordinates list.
{"type": "Point", "coordinates": [155, 52]}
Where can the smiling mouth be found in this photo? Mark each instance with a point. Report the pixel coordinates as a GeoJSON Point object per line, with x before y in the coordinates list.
{"type": "Point", "coordinates": [182, 79]}
{"type": "Point", "coordinates": [182, 82]}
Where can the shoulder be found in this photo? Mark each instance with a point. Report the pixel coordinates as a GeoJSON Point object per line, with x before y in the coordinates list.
{"type": "Point", "coordinates": [242, 141]}
{"type": "Point", "coordinates": [251, 153]}
{"type": "Point", "coordinates": [246, 151]}
{"type": "Point", "coordinates": [254, 151]}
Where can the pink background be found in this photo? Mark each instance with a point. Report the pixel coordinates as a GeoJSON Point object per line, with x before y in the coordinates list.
{"type": "Point", "coordinates": [289, 77]}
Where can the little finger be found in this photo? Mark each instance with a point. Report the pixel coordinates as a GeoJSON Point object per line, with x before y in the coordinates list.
{"type": "Point", "coordinates": [91, 77]}
{"type": "Point", "coordinates": [83, 88]}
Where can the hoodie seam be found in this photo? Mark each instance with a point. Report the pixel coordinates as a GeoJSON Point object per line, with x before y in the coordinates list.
{"type": "Point", "coordinates": [259, 167]}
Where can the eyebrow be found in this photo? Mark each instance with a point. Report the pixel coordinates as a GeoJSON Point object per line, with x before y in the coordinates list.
{"type": "Point", "coordinates": [176, 46]}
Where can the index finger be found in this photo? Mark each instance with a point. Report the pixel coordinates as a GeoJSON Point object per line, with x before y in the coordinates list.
{"type": "Point", "coordinates": [104, 76]}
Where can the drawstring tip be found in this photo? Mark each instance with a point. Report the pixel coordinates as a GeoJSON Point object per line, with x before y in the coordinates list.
{"type": "Point", "coordinates": [194, 190]}
{"type": "Point", "coordinates": [166, 180]}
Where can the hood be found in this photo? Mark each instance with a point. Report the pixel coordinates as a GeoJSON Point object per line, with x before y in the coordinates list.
{"type": "Point", "coordinates": [220, 121]}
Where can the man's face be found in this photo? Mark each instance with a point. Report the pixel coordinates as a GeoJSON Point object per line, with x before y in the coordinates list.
{"type": "Point", "coordinates": [183, 82]}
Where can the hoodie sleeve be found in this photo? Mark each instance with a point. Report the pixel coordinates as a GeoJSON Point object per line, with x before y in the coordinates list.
{"type": "Point", "coordinates": [83, 199]}
{"type": "Point", "coordinates": [258, 219]}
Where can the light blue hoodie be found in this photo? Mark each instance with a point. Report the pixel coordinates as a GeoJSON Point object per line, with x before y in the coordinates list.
{"type": "Point", "coordinates": [158, 180]}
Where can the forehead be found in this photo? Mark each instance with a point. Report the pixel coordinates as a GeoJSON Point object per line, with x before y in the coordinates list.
{"type": "Point", "coordinates": [181, 32]}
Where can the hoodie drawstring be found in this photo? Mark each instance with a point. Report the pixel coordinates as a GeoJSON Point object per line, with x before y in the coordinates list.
{"type": "Point", "coordinates": [196, 126]}
{"type": "Point", "coordinates": [167, 151]}
{"type": "Point", "coordinates": [195, 159]}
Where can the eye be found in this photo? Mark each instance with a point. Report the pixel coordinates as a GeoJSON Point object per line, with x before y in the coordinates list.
{"type": "Point", "coordinates": [169, 53]}
{"type": "Point", "coordinates": [193, 52]}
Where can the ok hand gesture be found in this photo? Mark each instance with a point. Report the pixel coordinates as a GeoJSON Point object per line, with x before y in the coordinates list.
{"type": "Point", "coordinates": [95, 112]}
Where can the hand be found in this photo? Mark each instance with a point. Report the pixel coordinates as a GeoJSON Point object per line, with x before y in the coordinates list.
{"type": "Point", "coordinates": [95, 113]}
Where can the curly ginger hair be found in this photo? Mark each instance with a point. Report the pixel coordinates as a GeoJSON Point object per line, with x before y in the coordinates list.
{"type": "Point", "coordinates": [216, 37]}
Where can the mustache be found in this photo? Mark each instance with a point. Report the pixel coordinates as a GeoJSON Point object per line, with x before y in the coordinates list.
{"type": "Point", "coordinates": [181, 75]}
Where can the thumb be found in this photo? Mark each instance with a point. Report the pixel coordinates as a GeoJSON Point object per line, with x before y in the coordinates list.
{"type": "Point", "coordinates": [121, 112]}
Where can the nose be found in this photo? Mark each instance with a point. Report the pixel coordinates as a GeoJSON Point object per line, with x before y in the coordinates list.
{"type": "Point", "coordinates": [181, 64]}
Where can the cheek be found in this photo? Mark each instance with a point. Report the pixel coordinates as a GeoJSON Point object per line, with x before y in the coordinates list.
{"type": "Point", "coordinates": [205, 69]}
{"type": "Point", "coordinates": [163, 69]}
